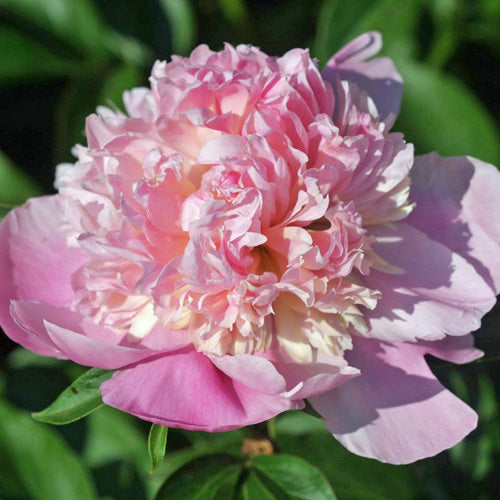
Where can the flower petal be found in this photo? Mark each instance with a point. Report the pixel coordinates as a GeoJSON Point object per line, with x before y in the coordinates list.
{"type": "Point", "coordinates": [439, 291]}
{"type": "Point", "coordinates": [35, 264]}
{"type": "Point", "coordinates": [397, 411]}
{"type": "Point", "coordinates": [457, 205]}
{"type": "Point", "coordinates": [184, 389]}
{"type": "Point", "coordinates": [42, 260]}
{"type": "Point", "coordinates": [76, 337]}
{"type": "Point", "coordinates": [378, 77]}
{"type": "Point", "coordinates": [252, 371]}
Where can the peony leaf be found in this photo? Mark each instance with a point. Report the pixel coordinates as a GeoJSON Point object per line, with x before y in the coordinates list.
{"type": "Point", "coordinates": [45, 464]}
{"type": "Point", "coordinates": [439, 113]}
{"type": "Point", "coordinates": [75, 23]}
{"type": "Point", "coordinates": [78, 400]}
{"type": "Point", "coordinates": [295, 476]}
{"type": "Point", "coordinates": [354, 477]}
{"type": "Point", "coordinates": [21, 56]}
{"type": "Point", "coordinates": [4, 210]}
{"type": "Point", "coordinates": [15, 186]}
{"type": "Point", "coordinates": [220, 443]}
{"type": "Point", "coordinates": [182, 23]}
{"type": "Point", "coordinates": [157, 442]}
{"type": "Point", "coordinates": [476, 455]}
{"type": "Point", "coordinates": [202, 479]}
{"type": "Point", "coordinates": [254, 488]}
{"type": "Point", "coordinates": [113, 435]}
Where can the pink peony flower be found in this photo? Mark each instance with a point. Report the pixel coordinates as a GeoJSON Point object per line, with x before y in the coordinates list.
{"type": "Point", "coordinates": [250, 234]}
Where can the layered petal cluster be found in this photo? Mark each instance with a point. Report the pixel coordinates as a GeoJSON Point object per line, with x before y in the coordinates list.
{"type": "Point", "coordinates": [250, 233]}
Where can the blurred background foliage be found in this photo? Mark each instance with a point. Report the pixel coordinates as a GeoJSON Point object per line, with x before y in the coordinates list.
{"type": "Point", "coordinates": [63, 58]}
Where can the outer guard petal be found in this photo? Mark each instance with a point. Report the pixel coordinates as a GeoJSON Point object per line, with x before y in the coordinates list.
{"type": "Point", "coordinates": [202, 397]}
{"type": "Point", "coordinates": [76, 337]}
{"type": "Point", "coordinates": [457, 205]}
{"type": "Point", "coordinates": [438, 293]}
{"type": "Point", "coordinates": [35, 264]}
{"type": "Point", "coordinates": [396, 411]}
{"type": "Point", "coordinates": [378, 77]}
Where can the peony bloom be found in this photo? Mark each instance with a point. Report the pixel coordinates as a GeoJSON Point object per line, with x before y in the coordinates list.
{"type": "Point", "coordinates": [250, 234]}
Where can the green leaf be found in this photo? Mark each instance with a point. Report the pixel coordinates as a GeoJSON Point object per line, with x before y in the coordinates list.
{"type": "Point", "coordinates": [22, 358]}
{"type": "Point", "coordinates": [220, 443]}
{"type": "Point", "coordinates": [15, 186]}
{"type": "Point", "coordinates": [78, 400]}
{"type": "Point", "coordinates": [4, 210]}
{"type": "Point", "coordinates": [439, 113]}
{"type": "Point", "coordinates": [47, 467]}
{"type": "Point", "coordinates": [475, 456]}
{"type": "Point", "coordinates": [74, 22]}
{"type": "Point", "coordinates": [157, 442]}
{"type": "Point", "coordinates": [295, 476]}
{"type": "Point", "coordinates": [182, 23]}
{"type": "Point", "coordinates": [253, 488]}
{"type": "Point", "coordinates": [21, 58]}
{"type": "Point", "coordinates": [113, 435]}
{"type": "Point", "coordinates": [354, 477]}
{"type": "Point", "coordinates": [201, 479]}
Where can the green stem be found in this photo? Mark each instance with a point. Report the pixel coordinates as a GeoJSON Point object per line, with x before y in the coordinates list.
{"type": "Point", "coordinates": [271, 429]}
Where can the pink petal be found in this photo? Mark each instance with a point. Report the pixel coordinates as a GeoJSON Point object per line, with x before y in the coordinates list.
{"type": "Point", "coordinates": [457, 205]}
{"type": "Point", "coordinates": [42, 260]}
{"type": "Point", "coordinates": [453, 349]}
{"type": "Point", "coordinates": [184, 389]}
{"type": "Point", "coordinates": [252, 371]}
{"type": "Point", "coordinates": [33, 271]}
{"type": "Point", "coordinates": [304, 380]}
{"type": "Point", "coordinates": [76, 337]}
{"type": "Point", "coordinates": [439, 291]}
{"type": "Point", "coordinates": [315, 378]}
{"type": "Point", "coordinates": [396, 411]}
{"type": "Point", "coordinates": [7, 292]}
{"type": "Point", "coordinates": [223, 147]}
{"type": "Point", "coordinates": [378, 77]}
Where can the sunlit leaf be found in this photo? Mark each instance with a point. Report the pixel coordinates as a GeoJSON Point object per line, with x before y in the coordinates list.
{"type": "Point", "coordinates": [78, 400]}
{"type": "Point", "coordinates": [295, 476]}
{"type": "Point", "coordinates": [47, 467]}
{"type": "Point", "coordinates": [439, 113]}
{"type": "Point", "coordinates": [157, 442]}
{"type": "Point", "coordinates": [15, 186]}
